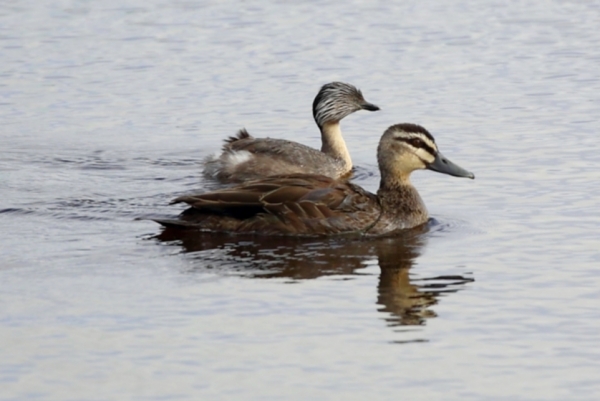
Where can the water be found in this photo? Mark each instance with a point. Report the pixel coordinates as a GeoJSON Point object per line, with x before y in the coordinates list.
{"type": "Point", "coordinates": [108, 109]}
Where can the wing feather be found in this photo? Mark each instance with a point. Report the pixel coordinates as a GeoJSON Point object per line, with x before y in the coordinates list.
{"type": "Point", "coordinates": [285, 205]}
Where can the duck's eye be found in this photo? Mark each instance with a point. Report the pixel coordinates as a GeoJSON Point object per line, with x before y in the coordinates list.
{"type": "Point", "coordinates": [416, 142]}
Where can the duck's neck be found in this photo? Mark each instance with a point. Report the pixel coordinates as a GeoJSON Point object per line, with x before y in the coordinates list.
{"type": "Point", "coordinates": [400, 199]}
{"type": "Point", "coordinates": [333, 143]}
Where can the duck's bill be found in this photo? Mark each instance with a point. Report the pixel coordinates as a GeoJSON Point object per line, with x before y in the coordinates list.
{"type": "Point", "coordinates": [443, 165]}
{"type": "Point", "coordinates": [369, 106]}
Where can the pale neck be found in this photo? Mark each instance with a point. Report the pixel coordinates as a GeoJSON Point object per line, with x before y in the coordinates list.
{"type": "Point", "coordinates": [334, 144]}
{"type": "Point", "coordinates": [393, 179]}
{"type": "Point", "coordinates": [398, 196]}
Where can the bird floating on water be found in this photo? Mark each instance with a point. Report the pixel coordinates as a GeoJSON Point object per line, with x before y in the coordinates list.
{"type": "Point", "coordinates": [245, 157]}
{"type": "Point", "coordinates": [316, 205]}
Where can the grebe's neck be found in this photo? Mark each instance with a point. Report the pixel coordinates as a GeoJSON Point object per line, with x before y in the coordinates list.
{"type": "Point", "coordinates": [334, 144]}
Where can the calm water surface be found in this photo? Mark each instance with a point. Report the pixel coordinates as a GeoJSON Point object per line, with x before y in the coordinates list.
{"type": "Point", "coordinates": [108, 108]}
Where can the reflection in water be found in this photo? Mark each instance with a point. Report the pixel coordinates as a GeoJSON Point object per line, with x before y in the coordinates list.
{"type": "Point", "coordinates": [403, 295]}
{"type": "Point", "coordinates": [407, 298]}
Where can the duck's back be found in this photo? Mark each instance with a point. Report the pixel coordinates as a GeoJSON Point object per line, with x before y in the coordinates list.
{"type": "Point", "coordinates": [247, 158]}
{"type": "Point", "coordinates": [296, 205]}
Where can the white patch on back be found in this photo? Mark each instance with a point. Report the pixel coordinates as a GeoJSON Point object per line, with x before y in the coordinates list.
{"type": "Point", "coordinates": [226, 162]}
{"type": "Point", "coordinates": [234, 158]}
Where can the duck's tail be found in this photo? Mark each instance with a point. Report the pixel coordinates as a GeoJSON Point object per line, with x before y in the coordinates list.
{"type": "Point", "coordinates": [176, 224]}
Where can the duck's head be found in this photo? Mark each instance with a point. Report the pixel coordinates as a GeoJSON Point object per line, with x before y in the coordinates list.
{"type": "Point", "coordinates": [404, 148]}
{"type": "Point", "coordinates": [336, 100]}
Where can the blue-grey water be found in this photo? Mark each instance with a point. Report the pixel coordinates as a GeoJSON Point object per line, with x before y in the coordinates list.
{"type": "Point", "coordinates": [108, 108]}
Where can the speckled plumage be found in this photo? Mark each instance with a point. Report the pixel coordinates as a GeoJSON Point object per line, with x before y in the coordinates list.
{"type": "Point", "coordinates": [245, 157]}
{"type": "Point", "coordinates": [315, 205]}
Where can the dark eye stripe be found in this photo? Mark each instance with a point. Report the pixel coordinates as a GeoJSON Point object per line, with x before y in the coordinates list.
{"type": "Point", "coordinates": [422, 145]}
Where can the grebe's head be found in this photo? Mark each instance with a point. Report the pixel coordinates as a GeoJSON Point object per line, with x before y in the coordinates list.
{"type": "Point", "coordinates": [336, 100]}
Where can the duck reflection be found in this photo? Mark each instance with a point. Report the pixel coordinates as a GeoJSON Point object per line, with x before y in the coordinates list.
{"type": "Point", "coordinates": [405, 296]}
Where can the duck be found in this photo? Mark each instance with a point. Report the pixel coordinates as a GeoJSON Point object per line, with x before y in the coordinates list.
{"type": "Point", "coordinates": [312, 205]}
{"type": "Point", "coordinates": [245, 157]}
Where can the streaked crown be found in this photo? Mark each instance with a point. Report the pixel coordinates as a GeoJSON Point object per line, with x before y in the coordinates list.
{"type": "Point", "coordinates": [337, 100]}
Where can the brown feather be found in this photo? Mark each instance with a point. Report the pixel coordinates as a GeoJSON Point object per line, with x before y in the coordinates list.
{"type": "Point", "coordinates": [287, 205]}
